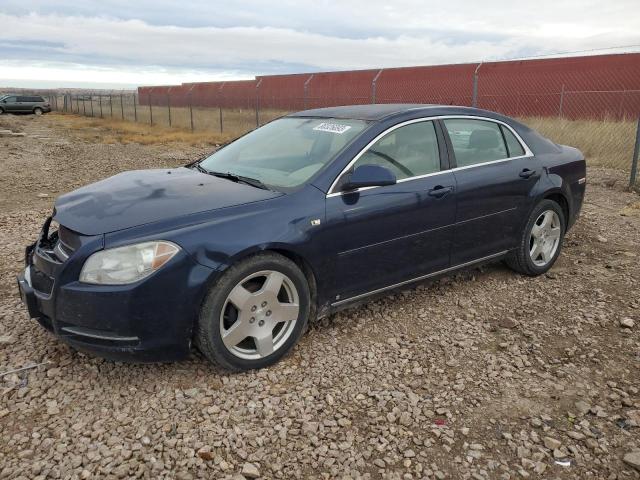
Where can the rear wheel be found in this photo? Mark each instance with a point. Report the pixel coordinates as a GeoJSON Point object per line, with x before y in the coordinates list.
{"type": "Point", "coordinates": [541, 240]}
{"type": "Point", "coordinates": [255, 313]}
{"type": "Point", "coordinates": [37, 111]}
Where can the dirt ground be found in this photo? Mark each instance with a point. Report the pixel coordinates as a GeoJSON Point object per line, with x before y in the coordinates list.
{"type": "Point", "coordinates": [484, 375]}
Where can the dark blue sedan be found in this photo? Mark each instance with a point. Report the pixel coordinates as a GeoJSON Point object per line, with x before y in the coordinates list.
{"type": "Point", "coordinates": [310, 213]}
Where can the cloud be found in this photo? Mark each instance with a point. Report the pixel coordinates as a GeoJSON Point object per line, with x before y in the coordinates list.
{"type": "Point", "coordinates": [144, 42]}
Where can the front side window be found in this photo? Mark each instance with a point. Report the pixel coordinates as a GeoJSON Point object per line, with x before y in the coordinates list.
{"type": "Point", "coordinates": [475, 141]}
{"type": "Point", "coordinates": [9, 99]}
{"type": "Point", "coordinates": [286, 152]}
{"type": "Point", "coordinates": [408, 151]}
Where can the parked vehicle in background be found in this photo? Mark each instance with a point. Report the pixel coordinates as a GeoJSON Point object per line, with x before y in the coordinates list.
{"type": "Point", "coordinates": [24, 104]}
{"type": "Point", "coordinates": [308, 214]}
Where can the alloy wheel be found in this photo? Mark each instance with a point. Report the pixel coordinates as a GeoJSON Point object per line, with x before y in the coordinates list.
{"type": "Point", "coordinates": [259, 314]}
{"type": "Point", "coordinates": [545, 238]}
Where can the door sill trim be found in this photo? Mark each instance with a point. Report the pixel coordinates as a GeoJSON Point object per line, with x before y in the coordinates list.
{"type": "Point", "coordinates": [417, 279]}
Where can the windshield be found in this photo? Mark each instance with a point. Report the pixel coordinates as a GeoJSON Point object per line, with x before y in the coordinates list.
{"type": "Point", "coordinates": [286, 152]}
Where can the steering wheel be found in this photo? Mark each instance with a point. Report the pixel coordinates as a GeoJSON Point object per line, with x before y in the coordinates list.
{"type": "Point", "coordinates": [393, 162]}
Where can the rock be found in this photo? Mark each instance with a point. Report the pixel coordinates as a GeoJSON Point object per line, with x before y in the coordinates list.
{"type": "Point", "coordinates": [405, 419]}
{"type": "Point", "coordinates": [576, 435]}
{"type": "Point", "coordinates": [43, 195]}
{"type": "Point", "coordinates": [409, 453]}
{"type": "Point", "coordinates": [249, 470]}
{"type": "Point", "coordinates": [205, 454]}
{"type": "Point", "coordinates": [507, 322]}
{"type": "Point", "coordinates": [551, 443]}
{"type": "Point", "coordinates": [6, 339]}
{"type": "Point", "coordinates": [540, 468]}
{"type": "Point", "coordinates": [633, 459]}
{"type": "Point", "coordinates": [380, 463]}
{"type": "Point", "coordinates": [627, 322]}
{"type": "Point", "coordinates": [582, 407]}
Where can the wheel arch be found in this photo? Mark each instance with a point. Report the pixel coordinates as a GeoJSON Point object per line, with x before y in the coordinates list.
{"type": "Point", "coordinates": [288, 252]}
{"type": "Point", "coordinates": [560, 198]}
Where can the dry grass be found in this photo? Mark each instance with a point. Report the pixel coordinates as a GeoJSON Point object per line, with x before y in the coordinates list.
{"type": "Point", "coordinates": [604, 143]}
{"type": "Point", "coordinates": [118, 131]}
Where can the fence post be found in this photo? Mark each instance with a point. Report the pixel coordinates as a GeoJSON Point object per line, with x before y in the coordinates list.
{"type": "Point", "coordinates": [220, 104]}
{"type": "Point", "coordinates": [258, 103]}
{"type": "Point", "coordinates": [374, 83]}
{"type": "Point", "coordinates": [474, 99]}
{"type": "Point", "coordinates": [634, 161]}
{"type": "Point", "coordinates": [91, 105]}
{"type": "Point", "coordinates": [111, 104]}
{"type": "Point", "coordinates": [191, 110]}
{"type": "Point", "coordinates": [561, 100]}
{"type": "Point", "coordinates": [135, 108]}
{"type": "Point", "coordinates": [121, 106]}
{"type": "Point", "coordinates": [84, 106]}
{"type": "Point", "coordinates": [100, 101]}
{"type": "Point", "coordinates": [305, 92]}
{"type": "Point", "coordinates": [169, 107]}
{"type": "Point", "coordinates": [150, 110]}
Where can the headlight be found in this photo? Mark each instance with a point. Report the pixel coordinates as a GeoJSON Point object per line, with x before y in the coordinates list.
{"type": "Point", "coordinates": [117, 266]}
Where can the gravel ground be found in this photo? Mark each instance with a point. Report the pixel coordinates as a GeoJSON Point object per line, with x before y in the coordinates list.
{"type": "Point", "coordinates": [483, 375]}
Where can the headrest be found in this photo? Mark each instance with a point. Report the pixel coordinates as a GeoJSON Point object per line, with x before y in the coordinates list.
{"type": "Point", "coordinates": [483, 139]}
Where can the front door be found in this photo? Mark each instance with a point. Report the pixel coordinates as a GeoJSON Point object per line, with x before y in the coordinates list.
{"type": "Point", "coordinates": [495, 175]}
{"type": "Point", "coordinates": [10, 104]}
{"type": "Point", "coordinates": [377, 237]}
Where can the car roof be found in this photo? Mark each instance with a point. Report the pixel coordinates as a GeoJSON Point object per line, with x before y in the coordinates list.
{"type": "Point", "coordinates": [380, 111]}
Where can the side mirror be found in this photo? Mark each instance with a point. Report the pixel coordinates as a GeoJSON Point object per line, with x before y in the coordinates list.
{"type": "Point", "coordinates": [369, 176]}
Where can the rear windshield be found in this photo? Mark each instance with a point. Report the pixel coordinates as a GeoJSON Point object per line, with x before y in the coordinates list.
{"type": "Point", "coordinates": [286, 152]}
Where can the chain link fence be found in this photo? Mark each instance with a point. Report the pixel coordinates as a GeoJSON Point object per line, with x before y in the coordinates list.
{"type": "Point", "coordinates": [603, 122]}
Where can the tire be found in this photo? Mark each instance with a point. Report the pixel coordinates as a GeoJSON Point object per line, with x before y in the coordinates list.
{"type": "Point", "coordinates": [1, 111]}
{"type": "Point", "coordinates": [246, 307]}
{"type": "Point", "coordinates": [37, 111]}
{"type": "Point", "coordinates": [537, 251]}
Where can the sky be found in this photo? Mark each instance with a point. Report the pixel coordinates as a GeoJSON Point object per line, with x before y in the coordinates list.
{"type": "Point", "coordinates": [123, 44]}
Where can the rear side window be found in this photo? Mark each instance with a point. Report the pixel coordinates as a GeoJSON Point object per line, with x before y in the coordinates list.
{"type": "Point", "coordinates": [24, 99]}
{"type": "Point", "coordinates": [408, 151]}
{"type": "Point", "coordinates": [514, 147]}
{"type": "Point", "coordinates": [475, 141]}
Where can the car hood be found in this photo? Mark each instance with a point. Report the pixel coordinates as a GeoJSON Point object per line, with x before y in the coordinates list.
{"type": "Point", "coordinates": [139, 197]}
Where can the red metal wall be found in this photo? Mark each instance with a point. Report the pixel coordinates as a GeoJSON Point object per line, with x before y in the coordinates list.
{"type": "Point", "coordinates": [578, 87]}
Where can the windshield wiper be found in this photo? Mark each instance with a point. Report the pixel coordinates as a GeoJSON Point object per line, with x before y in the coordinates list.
{"type": "Point", "coordinates": [254, 182]}
{"type": "Point", "coordinates": [200, 167]}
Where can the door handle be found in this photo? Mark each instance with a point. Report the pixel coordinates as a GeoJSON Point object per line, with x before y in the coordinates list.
{"type": "Point", "coordinates": [526, 173]}
{"type": "Point", "coordinates": [439, 191]}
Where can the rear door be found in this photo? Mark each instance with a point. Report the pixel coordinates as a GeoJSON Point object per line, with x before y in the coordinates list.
{"type": "Point", "coordinates": [23, 104]}
{"type": "Point", "coordinates": [495, 174]}
{"type": "Point", "coordinates": [381, 236]}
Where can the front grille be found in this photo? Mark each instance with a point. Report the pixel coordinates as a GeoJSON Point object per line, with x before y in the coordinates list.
{"type": "Point", "coordinates": [57, 243]}
{"type": "Point", "coordinates": [41, 282]}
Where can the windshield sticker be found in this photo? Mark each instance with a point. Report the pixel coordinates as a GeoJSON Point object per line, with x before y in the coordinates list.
{"type": "Point", "coordinates": [332, 128]}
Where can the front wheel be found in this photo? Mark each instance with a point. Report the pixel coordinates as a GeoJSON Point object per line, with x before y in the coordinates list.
{"type": "Point", "coordinates": [541, 240]}
{"type": "Point", "coordinates": [255, 313]}
{"type": "Point", "coordinates": [37, 111]}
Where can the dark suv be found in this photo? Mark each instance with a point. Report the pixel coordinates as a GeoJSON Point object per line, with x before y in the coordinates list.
{"type": "Point", "coordinates": [24, 104]}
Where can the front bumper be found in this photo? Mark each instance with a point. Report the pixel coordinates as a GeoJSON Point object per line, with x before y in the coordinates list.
{"type": "Point", "coordinates": [148, 321]}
